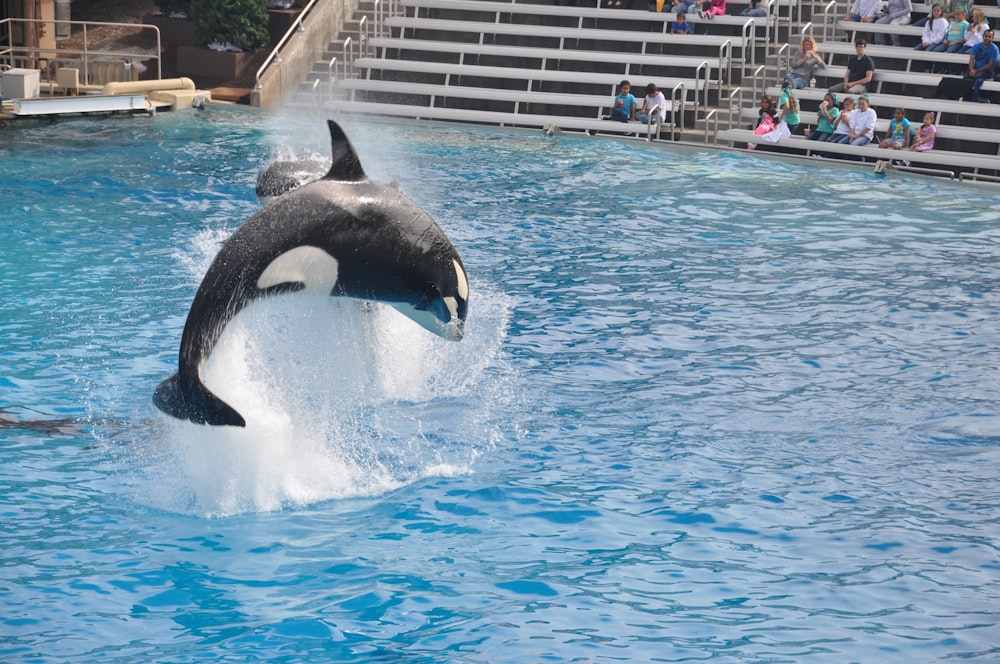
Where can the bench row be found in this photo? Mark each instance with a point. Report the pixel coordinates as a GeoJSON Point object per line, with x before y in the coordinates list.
{"type": "Point", "coordinates": [502, 119]}
{"type": "Point", "coordinates": [744, 45]}
{"type": "Point", "coordinates": [931, 158]}
{"type": "Point", "coordinates": [944, 131]}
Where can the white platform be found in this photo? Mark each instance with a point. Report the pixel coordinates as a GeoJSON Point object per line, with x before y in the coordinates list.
{"type": "Point", "coordinates": [83, 104]}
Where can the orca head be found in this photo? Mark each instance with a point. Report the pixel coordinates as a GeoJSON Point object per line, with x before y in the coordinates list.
{"type": "Point", "coordinates": [282, 177]}
{"type": "Point", "coordinates": [442, 307]}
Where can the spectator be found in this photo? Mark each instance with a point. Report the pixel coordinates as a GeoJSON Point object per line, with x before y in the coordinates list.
{"type": "Point", "coordinates": [897, 136]}
{"type": "Point", "coordinates": [716, 8]}
{"type": "Point", "coordinates": [680, 26]}
{"type": "Point", "coordinates": [623, 109]}
{"type": "Point", "coordinates": [767, 109]}
{"type": "Point", "coordinates": [897, 13]}
{"type": "Point", "coordinates": [983, 61]}
{"type": "Point", "coordinates": [654, 103]}
{"type": "Point", "coordinates": [862, 129]}
{"type": "Point", "coordinates": [842, 130]}
{"type": "Point", "coordinates": [687, 6]}
{"type": "Point", "coordinates": [804, 63]}
{"type": "Point", "coordinates": [934, 32]}
{"type": "Point", "coordinates": [754, 9]}
{"type": "Point", "coordinates": [925, 134]}
{"type": "Point", "coordinates": [945, 11]}
{"type": "Point", "coordinates": [954, 39]}
{"type": "Point", "coordinates": [828, 114]}
{"type": "Point", "coordinates": [789, 106]}
{"type": "Point", "coordinates": [860, 69]}
{"type": "Point", "coordinates": [977, 26]}
{"type": "Point", "coordinates": [864, 11]}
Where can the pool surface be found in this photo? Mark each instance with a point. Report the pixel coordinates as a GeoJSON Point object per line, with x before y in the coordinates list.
{"type": "Point", "coordinates": [708, 407]}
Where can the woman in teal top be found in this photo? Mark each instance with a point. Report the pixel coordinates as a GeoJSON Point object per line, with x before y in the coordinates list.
{"type": "Point", "coordinates": [828, 114]}
{"type": "Point", "coordinates": [789, 106]}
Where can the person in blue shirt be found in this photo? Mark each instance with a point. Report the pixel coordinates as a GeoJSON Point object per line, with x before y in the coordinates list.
{"type": "Point", "coordinates": [680, 26]}
{"type": "Point", "coordinates": [623, 109]}
{"type": "Point", "coordinates": [897, 136]}
{"type": "Point", "coordinates": [983, 60]}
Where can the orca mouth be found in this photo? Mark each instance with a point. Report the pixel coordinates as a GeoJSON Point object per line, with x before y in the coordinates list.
{"type": "Point", "coordinates": [435, 317]}
{"type": "Point", "coordinates": [453, 330]}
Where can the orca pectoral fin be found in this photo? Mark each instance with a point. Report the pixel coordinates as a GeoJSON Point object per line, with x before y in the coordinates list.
{"type": "Point", "coordinates": [198, 405]}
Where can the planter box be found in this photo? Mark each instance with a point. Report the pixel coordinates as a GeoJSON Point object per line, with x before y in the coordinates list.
{"type": "Point", "coordinates": [174, 32]}
{"type": "Point", "coordinates": [199, 62]}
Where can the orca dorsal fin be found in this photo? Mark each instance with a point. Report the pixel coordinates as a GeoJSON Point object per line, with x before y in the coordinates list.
{"type": "Point", "coordinates": [346, 164]}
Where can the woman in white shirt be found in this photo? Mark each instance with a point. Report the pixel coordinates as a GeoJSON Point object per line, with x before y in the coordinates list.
{"type": "Point", "coordinates": [863, 123]}
{"type": "Point", "coordinates": [974, 33]}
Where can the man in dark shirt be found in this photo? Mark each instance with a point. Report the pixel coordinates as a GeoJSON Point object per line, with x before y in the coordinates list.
{"type": "Point", "coordinates": [860, 69]}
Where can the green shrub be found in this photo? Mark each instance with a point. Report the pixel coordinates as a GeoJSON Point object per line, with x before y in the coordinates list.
{"type": "Point", "coordinates": [242, 23]}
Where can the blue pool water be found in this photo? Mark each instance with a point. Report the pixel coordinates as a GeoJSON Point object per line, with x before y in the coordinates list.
{"type": "Point", "coordinates": [709, 407]}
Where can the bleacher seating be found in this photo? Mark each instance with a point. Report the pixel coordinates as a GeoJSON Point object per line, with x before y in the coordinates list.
{"type": "Point", "coordinates": [535, 63]}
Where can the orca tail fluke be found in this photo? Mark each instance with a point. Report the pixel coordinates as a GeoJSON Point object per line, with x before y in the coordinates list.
{"type": "Point", "coordinates": [197, 405]}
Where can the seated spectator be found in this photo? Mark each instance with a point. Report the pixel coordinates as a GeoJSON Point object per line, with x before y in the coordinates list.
{"type": "Point", "coordinates": [934, 31]}
{"type": "Point", "coordinates": [687, 6]}
{"type": "Point", "coordinates": [897, 12]}
{"type": "Point", "coordinates": [842, 129]}
{"type": "Point", "coordinates": [716, 8]}
{"type": "Point", "coordinates": [860, 69]}
{"type": "Point", "coordinates": [864, 11]}
{"type": "Point", "coordinates": [925, 135]}
{"type": "Point", "coordinates": [680, 26]}
{"type": "Point", "coordinates": [945, 11]}
{"type": "Point", "coordinates": [788, 106]}
{"type": "Point", "coordinates": [623, 107]}
{"type": "Point", "coordinates": [654, 103]}
{"type": "Point", "coordinates": [755, 9]}
{"type": "Point", "coordinates": [897, 136]}
{"type": "Point", "coordinates": [804, 63]}
{"type": "Point", "coordinates": [768, 111]}
{"type": "Point", "coordinates": [954, 39]}
{"type": "Point", "coordinates": [977, 26]}
{"type": "Point", "coordinates": [983, 61]}
{"type": "Point", "coordinates": [767, 119]}
{"type": "Point", "coordinates": [862, 129]}
{"type": "Point", "coordinates": [828, 114]}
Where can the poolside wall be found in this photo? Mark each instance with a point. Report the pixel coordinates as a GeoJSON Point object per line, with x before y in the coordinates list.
{"type": "Point", "coordinates": [297, 57]}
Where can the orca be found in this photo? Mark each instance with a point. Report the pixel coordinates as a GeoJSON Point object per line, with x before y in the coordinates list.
{"type": "Point", "coordinates": [282, 177]}
{"type": "Point", "coordinates": [343, 235]}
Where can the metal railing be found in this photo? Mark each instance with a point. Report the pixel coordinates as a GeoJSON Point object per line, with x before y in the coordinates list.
{"type": "Point", "coordinates": [47, 59]}
{"type": "Point", "coordinates": [274, 57]}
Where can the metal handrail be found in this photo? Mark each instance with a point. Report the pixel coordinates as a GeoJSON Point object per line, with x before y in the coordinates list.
{"type": "Point", "coordinates": [735, 105]}
{"type": "Point", "coordinates": [830, 20]}
{"type": "Point", "coordinates": [331, 77]}
{"type": "Point", "coordinates": [48, 54]}
{"type": "Point", "coordinates": [711, 122]}
{"type": "Point", "coordinates": [348, 60]}
{"type": "Point", "coordinates": [274, 56]}
{"type": "Point", "coordinates": [363, 37]}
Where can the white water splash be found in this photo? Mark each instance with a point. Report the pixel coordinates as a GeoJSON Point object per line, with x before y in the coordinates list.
{"type": "Point", "coordinates": [341, 398]}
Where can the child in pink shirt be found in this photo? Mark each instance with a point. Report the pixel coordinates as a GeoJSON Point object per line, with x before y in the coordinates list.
{"type": "Point", "coordinates": [925, 135]}
{"type": "Point", "coordinates": [718, 8]}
